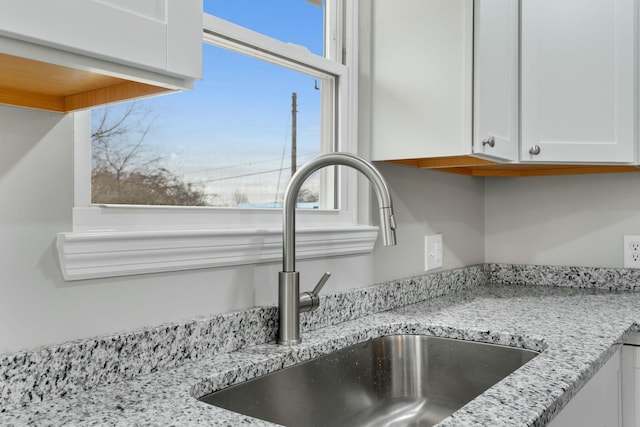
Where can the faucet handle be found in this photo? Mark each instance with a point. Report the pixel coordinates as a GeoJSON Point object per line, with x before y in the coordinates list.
{"type": "Point", "coordinates": [321, 282]}
{"type": "Point", "coordinates": [309, 301]}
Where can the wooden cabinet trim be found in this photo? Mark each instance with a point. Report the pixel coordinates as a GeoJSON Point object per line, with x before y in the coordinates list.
{"type": "Point", "coordinates": [471, 166]}
{"type": "Point", "coordinates": [34, 84]}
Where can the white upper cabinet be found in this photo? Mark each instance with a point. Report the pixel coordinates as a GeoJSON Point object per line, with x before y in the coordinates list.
{"type": "Point", "coordinates": [496, 79]}
{"type": "Point", "coordinates": [129, 46]}
{"type": "Point", "coordinates": [420, 76]}
{"type": "Point", "coordinates": [424, 78]}
{"type": "Point", "coordinates": [578, 82]}
{"type": "Point", "coordinates": [501, 87]}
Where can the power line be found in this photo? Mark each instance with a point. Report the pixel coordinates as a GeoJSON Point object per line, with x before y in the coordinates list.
{"type": "Point", "coordinates": [225, 178]}
{"type": "Point", "coordinates": [306, 156]}
{"type": "Point", "coordinates": [229, 167]}
{"type": "Point", "coordinates": [244, 175]}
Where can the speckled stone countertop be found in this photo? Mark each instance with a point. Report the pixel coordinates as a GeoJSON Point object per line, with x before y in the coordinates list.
{"type": "Point", "coordinates": [577, 326]}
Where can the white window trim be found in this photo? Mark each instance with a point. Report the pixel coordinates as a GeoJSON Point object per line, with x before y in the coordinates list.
{"type": "Point", "coordinates": [109, 241]}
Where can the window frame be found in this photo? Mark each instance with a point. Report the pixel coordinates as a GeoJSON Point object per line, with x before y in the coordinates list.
{"type": "Point", "coordinates": [109, 240]}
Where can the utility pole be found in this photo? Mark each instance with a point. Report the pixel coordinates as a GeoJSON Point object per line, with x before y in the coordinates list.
{"type": "Point", "coordinates": [294, 131]}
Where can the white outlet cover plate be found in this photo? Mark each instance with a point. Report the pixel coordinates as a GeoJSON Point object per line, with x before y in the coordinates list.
{"type": "Point", "coordinates": [631, 251]}
{"type": "Point", "coordinates": [433, 250]}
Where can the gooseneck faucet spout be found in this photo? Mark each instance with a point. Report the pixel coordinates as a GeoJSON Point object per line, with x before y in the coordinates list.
{"type": "Point", "coordinates": [290, 302]}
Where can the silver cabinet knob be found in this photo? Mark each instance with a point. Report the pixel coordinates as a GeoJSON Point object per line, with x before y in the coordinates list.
{"type": "Point", "coordinates": [491, 142]}
{"type": "Point", "coordinates": [534, 150]}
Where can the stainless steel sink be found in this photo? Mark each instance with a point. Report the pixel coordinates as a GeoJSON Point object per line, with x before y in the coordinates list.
{"type": "Point", "coordinates": [400, 380]}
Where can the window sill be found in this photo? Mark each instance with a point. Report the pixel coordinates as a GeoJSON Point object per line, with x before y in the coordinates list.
{"type": "Point", "coordinates": [90, 255]}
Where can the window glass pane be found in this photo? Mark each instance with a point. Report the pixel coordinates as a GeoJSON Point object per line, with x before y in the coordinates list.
{"type": "Point", "coordinates": [227, 143]}
{"type": "Point", "coordinates": [292, 21]}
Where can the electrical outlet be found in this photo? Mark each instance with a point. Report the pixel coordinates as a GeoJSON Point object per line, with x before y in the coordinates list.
{"type": "Point", "coordinates": [433, 251]}
{"type": "Point", "coordinates": [631, 251]}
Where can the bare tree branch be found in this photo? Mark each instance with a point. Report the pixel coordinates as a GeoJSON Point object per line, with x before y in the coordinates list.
{"type": "Point", "coordinates": [122, 173]}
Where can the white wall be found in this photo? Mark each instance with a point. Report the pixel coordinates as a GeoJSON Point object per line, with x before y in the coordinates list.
{"type": "Point", "coordinates": [428, 202]}
{"type": "Point", "coordinates": [37, 307]}
{"type": "Point", "coordinates": [575, 220]}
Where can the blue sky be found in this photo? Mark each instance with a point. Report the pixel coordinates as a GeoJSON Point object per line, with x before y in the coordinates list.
{"type": "Point", "coordinates": [237, 120]}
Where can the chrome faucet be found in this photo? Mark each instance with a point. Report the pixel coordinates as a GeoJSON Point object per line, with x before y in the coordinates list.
{"type": "Point", "coordinates": [291, 303]}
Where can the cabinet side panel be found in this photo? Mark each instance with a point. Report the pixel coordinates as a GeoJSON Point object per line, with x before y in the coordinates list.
{"type": "Point", "coordinates": [184, 38]}
{"type": "Point", "coordinates": [93, 28]}
{"type": "Point", "coordinates": [421, 78]}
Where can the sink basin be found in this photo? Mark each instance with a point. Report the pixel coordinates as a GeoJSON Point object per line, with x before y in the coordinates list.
{"type": "Point", "coordinates": [399, 380]}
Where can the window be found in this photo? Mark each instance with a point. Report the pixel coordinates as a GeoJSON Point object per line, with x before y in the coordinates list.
{"type": "Point", "coordinates": [224, 150]}
{"type": "Point", "coordinates": [233, 141]}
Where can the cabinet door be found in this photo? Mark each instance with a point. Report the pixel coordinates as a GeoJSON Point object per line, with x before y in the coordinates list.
{"type": "Point", "coordinates": [598, 402]}
{"type": "Point", "coordinates": [496, 82]}
{"type": "Point", "coordinates": [631, 384]}
{"type": "Point", "coordinates": [123, 31]}
{"type": "Point", "coordinates": [578, 80]}
{"type": "Point", "coordinates": [421, 78]}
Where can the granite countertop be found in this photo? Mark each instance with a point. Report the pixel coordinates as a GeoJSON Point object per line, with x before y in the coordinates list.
{"type": "Point", "coordinates": [576, 329]}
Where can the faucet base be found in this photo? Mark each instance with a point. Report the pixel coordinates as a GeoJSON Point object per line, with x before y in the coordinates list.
{"type": "Point", "coordinates": [289, 342]}
{"type": "Point", "coordinates": [289, 304]}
